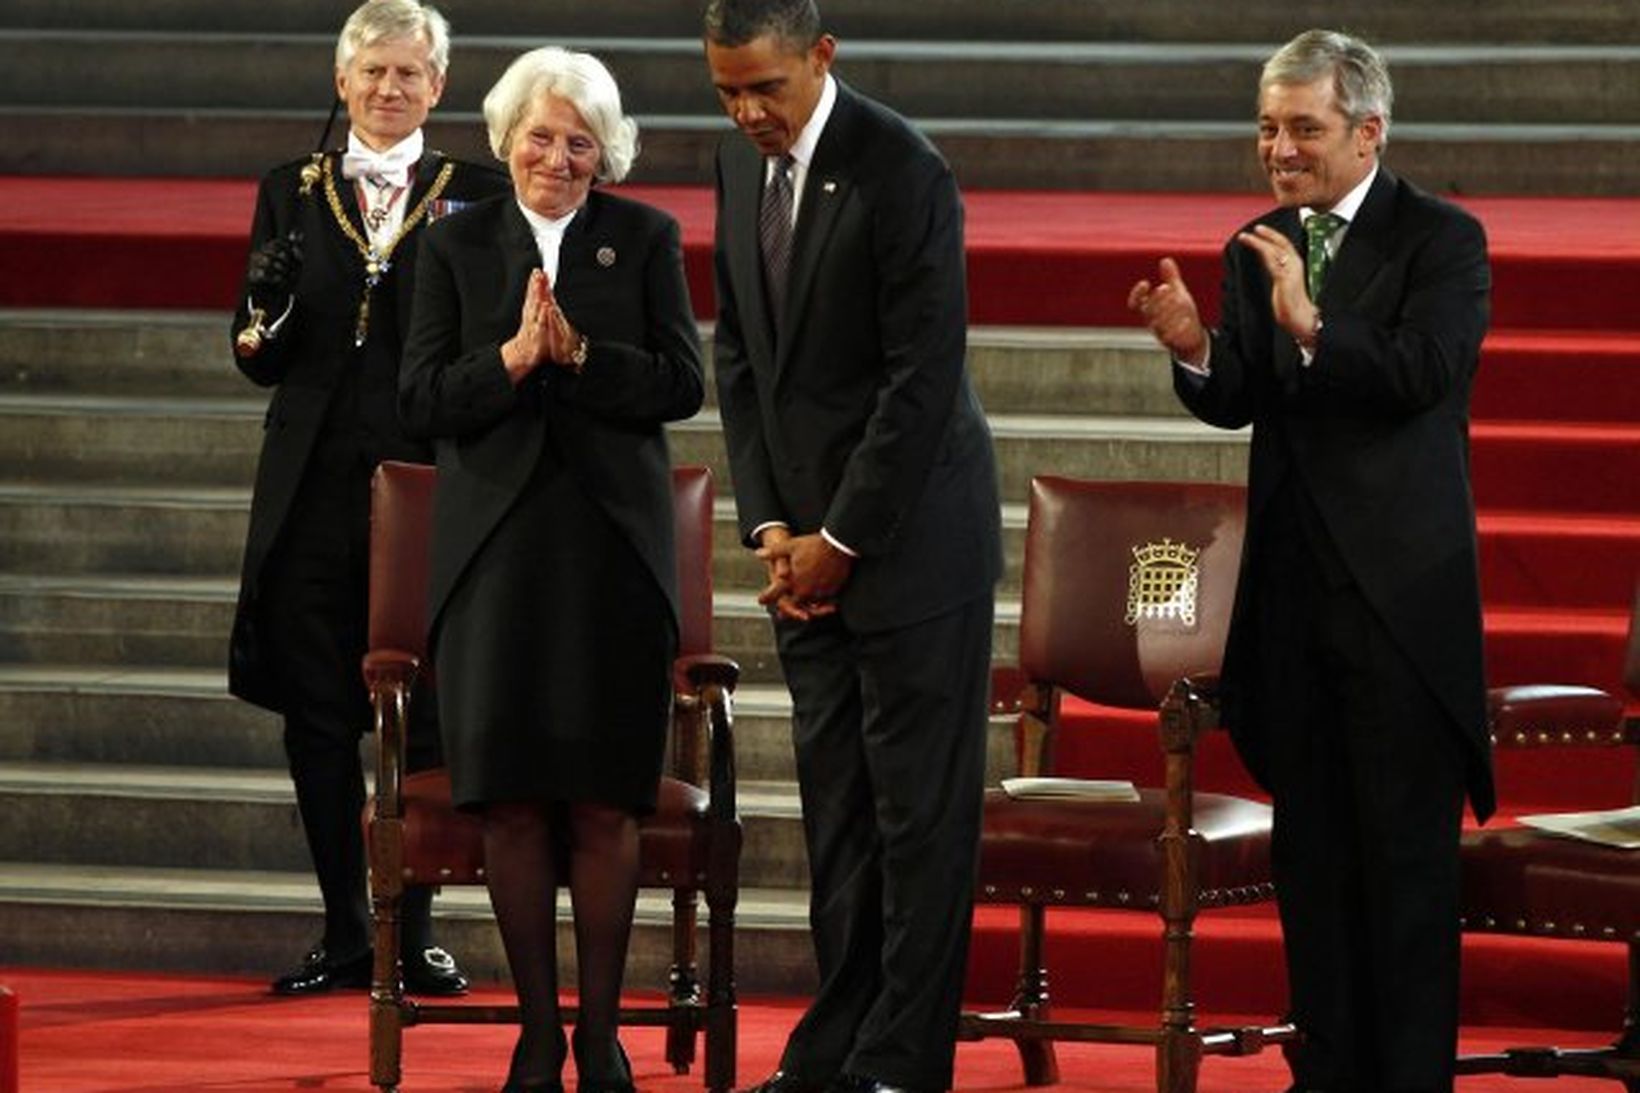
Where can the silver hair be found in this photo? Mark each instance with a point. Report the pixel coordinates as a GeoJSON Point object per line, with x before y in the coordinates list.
{"type": "Point", "coordinates": [1360, 77]}
{"type": "Point", "coordinates": [384, 20]}
{"type": "Point", "coordinates": [581, 80]}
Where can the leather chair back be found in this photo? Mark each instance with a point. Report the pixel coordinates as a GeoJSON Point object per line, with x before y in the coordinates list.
{"type": "Point", "coordinates": [1128, 586]}
{"type": "Point", "coordinates": [692, 505]}
{"type": "Point", "coordinates": [401, 511]}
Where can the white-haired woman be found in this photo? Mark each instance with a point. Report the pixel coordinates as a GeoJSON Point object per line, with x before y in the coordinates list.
{"type": "Point", "coordinates": [551, 338]}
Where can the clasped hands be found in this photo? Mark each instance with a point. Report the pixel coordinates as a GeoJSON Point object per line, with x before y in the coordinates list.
{"type": "Point", "coordinates": [544, 334]}
{"type": "Point", "coordinates": [805, 574]}
{"type": "Point", "coordinates": [1171, 314]}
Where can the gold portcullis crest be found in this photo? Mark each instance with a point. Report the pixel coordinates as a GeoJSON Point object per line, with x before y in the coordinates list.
{"type": "Point", "coordinates": [1162, 583]}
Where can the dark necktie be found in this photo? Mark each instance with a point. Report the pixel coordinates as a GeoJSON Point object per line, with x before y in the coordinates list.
{"type": "Point", "coordinates": [1317, 230]}
{"type": "Point", "coordinates": [774, 229]}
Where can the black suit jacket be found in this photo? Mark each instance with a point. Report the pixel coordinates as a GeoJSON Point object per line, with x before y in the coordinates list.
{"type": "Point", "coordinates": [313, 366]}
{"type": "Point", "coordinates": [620, 282]}
{"type": "Point", "coordinates": [861, 418]}
{"type": "Point", "coordinates": [1374, 433]}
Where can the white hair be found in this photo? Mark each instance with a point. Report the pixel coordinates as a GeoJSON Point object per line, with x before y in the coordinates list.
{"type": "Point", "coordinates": [384, 20]}
{"type": "Point", "coordinates": [579, 79]}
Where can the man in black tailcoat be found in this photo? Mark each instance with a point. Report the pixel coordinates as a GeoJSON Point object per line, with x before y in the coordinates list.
{"type": "Point", "coordinates": [323, 316]}
{"type": "Point", "coordinates": [1351, 329]}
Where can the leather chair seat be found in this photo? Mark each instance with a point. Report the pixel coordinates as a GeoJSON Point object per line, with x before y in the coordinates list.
{"type": "Point", "coordinates": [1517, 880]}
{"type": "Point", "coordinates": [1034, 850]}
{"type": "Point", "coordinates": [446, 845]}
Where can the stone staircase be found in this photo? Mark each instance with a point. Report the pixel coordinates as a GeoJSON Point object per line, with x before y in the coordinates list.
{"type": "Point", "coordinates": [1514, 96]}
{"type": "Point", "coordinates": [151, 820]}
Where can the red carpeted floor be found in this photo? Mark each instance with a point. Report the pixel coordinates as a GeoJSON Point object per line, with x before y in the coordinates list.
{"type": "Point", "coordinates": [86, 1033]}
{"type": "Point", "coordinates": [1049, 258]}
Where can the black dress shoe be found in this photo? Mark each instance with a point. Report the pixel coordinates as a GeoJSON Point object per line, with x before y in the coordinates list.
{"type": "Point", "coordinates": [432, 971]}
{"type": "Point", "coordinates": [536, 1085]}
{"type": "Point", "coordinates": [784, 1081]}
{"type": "Point", "coordinates": [612, 1073]}
{"type": "Point", "coordinates": [319, 972]}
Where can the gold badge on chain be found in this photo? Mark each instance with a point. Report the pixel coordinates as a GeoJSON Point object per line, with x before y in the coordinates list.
{"type": "Point", "coordinates": [377, 261]}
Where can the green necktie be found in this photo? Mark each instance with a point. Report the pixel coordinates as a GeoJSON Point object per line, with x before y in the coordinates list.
{"type": "Point", "coordinates": [1318, 229]}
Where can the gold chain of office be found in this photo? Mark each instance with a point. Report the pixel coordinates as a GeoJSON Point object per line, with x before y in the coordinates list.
{"type": "Point", "coordinates": [376, 262]}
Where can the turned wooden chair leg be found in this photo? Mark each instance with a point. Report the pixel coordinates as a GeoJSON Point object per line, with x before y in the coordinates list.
{"type": "Point", "coordinates": [1628, 1045]}
{"type": "Point", "coordinates": [386, 849]}
{"type": "Point", "coordinates": [1178, 1062]}
{"type": "Point", "coordinates": [721, 1016]}
{"type": "Point", "coordinates": [1037, 1057]}
{"type": "Point", "coordinates": [683, 988]}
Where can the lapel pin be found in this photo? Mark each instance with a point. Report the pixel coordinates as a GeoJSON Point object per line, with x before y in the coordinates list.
{"type": "Point", "coordinates": [829, 186]}
{"type": "Point", "coordinates": [606, 256]}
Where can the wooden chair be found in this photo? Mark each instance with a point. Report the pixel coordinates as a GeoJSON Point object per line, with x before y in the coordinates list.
{"type": "Point", "coordinates": [691, 844]}
{"type": "Point", "coordinates": [1128, 588]}
{"type": "Point", "coordinates": [1520, 881]}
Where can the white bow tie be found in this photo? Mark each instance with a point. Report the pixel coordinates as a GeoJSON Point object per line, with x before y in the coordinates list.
{"type": "Point", "coordinates": [390, 168]}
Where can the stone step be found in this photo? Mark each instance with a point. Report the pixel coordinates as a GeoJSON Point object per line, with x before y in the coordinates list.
{"type": "Point", "coordinates": [237, 818]}
{"type": "Point", "coordinates": [259, 922]}
{"type": "Point", "coordinates": [214, 442]}
{"type": "Point", "coordinates": [137, 715]}
{"type": "Point", "coordinates": [130, 531]}
{"type": "Point", "coordinates": [183, 623]}
{"type": "Point", "coordinates": [150, 544]}
{"type": "Point", "coordinates": [115, 621]}
{"type": "Point", "coordinates": [155, 353]}
{"type": "Point", "coordinates": [1095, 447]}
{"type": "Point", "coordinates": [80, 714]}
{"type": "Point", "coordinates": [1107, 80]}
{"type": "Point", "coordinates": [82, 528]}
{"type": "Point", "coordinates": [1266, 21]}
{"type": "Point", "coordinates": [1024, 153]}
{"type": "Point", "coordinates": [198, 441]}
{"type": "Point", "coordinates": [169, 355]}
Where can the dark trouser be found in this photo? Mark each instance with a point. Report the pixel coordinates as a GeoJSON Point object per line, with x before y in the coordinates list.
{"type": "Point", "coordinates": [313, 595]}
{"type": "Point", "coordinates": [1368, 780]}
{"type": "Point", "coordinates": [889, 730]}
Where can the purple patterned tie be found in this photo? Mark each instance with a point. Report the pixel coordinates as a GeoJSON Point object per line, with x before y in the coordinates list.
{"type": "Point", "coordinates": [774, 229]}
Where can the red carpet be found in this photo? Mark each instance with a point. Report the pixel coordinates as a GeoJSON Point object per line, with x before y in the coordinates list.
{"type": "Point", "coordinates": [1052, 258]}
{"type": "Point", "coordinates": [151, 1034]}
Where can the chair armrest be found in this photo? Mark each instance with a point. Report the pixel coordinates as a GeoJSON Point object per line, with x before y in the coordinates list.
{"type": "Point", "coordinates": [1200, 693]}
{"type": "Point", "coordinates": [696, 672]}
{"type": "Point", "coordinates": [389, 667]}
{"type": "Point", "coordinates": [707, 681]}
{"type": "Point", "coordinates": [389, 676]}
{"type": "Point", "coordinates": [1537, 716]}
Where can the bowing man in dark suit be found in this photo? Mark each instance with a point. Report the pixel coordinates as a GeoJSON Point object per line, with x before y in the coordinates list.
{"type": "Point", "coordinates": [863, 473]}
{"type": "Point", "coordinates": [326, 305]}
{"type": "Point", "coordinates": [1352, 322]}
{"type": "Point", "coordinates": [552, 338]}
